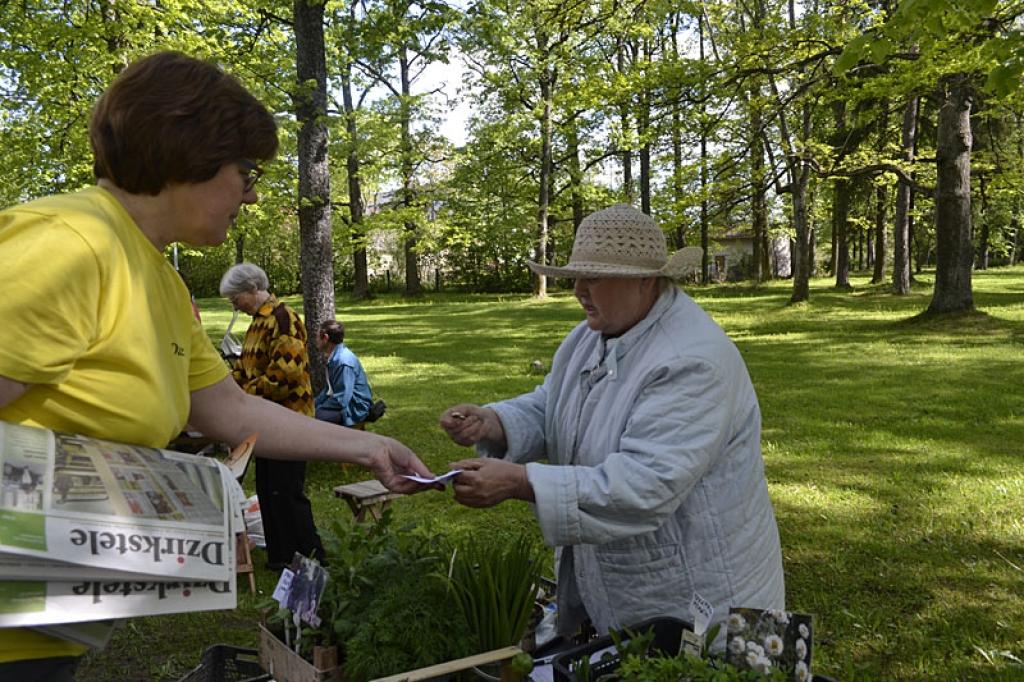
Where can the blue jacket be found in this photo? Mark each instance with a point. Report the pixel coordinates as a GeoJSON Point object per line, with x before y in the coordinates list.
{"type": "Point", "coordinates": [654, 486]}
{"type": "Point", "coordinates": [347, 390]}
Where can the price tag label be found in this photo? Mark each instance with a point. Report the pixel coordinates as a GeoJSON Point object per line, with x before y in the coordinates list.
{"type": "Point", "coordinates": [693, 644]}
{"type": "Point", "coordinates": [702, 612]}
{"type": "Point", "coordinates": [284, 587]}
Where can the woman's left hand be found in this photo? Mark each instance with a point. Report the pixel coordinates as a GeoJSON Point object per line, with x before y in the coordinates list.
{"type": "Point", "coordinates": [485, 482]}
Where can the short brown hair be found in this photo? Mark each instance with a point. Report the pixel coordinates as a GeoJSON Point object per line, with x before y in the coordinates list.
{"type": "Point", "coordinates": [334, 329]}
{"type": "Point", "coordinates": [169, 117]}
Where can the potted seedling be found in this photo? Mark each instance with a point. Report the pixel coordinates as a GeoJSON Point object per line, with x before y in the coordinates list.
{"type": "Point", "coordinates": [496, 584]}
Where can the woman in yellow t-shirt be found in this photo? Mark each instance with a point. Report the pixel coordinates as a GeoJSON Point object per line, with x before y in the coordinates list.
{"type": "Point", "coordinates": [177, 145]}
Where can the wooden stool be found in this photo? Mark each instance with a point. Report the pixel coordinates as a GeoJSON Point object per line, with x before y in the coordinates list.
{"type": "Point", "coordinates": [243, 559]}
{"type": "Point", "coordinates": [366, 496]}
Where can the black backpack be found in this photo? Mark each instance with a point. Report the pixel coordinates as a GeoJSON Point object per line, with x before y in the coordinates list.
{"type": "Point", "coordinates": [377, 410]}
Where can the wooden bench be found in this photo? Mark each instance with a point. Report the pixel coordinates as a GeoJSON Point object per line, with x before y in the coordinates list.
{"type": "Point", "coordinates": [366, 497]}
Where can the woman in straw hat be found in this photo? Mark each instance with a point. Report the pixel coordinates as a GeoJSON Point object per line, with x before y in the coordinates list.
{"type": "Point", "coordinates": [654, 489]}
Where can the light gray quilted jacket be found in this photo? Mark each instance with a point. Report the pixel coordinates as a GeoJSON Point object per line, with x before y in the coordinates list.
{"type": "Point", "coordinates": [654, 487]}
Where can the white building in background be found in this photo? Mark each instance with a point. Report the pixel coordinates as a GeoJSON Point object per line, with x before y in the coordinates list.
{"type": "Point", "coordinates": [732, 253]}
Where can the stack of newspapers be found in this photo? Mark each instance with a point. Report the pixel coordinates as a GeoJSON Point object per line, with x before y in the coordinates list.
{"type": "Point", "coordinates": [93, 530]}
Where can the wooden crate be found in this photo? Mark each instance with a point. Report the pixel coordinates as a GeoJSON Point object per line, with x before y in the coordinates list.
{"type": "Point", "coordinates": [287, 666]}
{"type": "Point", "coordinates": [502, 656]}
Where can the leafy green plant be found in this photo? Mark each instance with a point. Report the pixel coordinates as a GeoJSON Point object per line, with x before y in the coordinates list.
{"type": "Point", "coordinates": [411, 623]}
{"type": "Point", "coordinates": [685, 667]}
{"type": "Point", "coordinates": [387, 604]}
{"type": "Point", "coordinates": [496, 584]}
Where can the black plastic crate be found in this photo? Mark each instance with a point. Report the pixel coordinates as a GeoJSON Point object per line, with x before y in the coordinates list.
{"type": "Point", "coordinates": [227, 663]}
{"type": "Point", "coordinates": [668, 634]}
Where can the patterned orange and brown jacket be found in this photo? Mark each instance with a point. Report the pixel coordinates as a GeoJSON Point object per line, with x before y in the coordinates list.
{"type": "Point", "coordinates": [274, 362]}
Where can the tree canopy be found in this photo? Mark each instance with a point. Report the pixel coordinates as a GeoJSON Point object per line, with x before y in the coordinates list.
{"type": "Point", "coordinates": [874, 134]}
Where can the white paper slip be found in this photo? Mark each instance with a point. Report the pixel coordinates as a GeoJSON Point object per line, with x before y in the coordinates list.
{"type": "Point", "coordinates": [439, 479]}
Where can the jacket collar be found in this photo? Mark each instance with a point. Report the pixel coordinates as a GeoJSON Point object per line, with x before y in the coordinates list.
{"type": "Point", "coordinates": [267, 307]}
{"type": "Point", "coordinates": [608, 352]}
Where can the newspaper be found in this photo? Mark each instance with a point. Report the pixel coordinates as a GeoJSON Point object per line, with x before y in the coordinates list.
{"type": "Point", "coordinates": [92, 529]}
{"type": "Point", "coordinates": [44, 603]}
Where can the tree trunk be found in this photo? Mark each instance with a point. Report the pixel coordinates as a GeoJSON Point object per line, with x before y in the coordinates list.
{"type": "Point", "coordinates": [540, 282]}
{"type": "Point", "coordinates": [803, 253]}
{"type": "Point", "coordinates": [954, 254]}
{"type": "Point", "coordinates": [677, 145]}
{"type": "Point", "coordinates": [983, 238]}
{"type": "Point", "coordinates": [413, 286]}
{"type": "Point", "coordinates": [316, 256]}
{"type": "Point", "coordinates": [840, 232]}
{"type": "Point", "coordinates": [841, 190]}
{"type": "Point", "coordinates": [643, 119]}
{"type": "Point", "coordinates": [575, 176]}
{"type": "Point", "coordinates": [361, 283]}
{"type": "Point", "coordinates": [1015, 221]}
{"type": "Point", "coordinates": [677, 175]}
{"type": "Point", "coordinates": [705, 263]}
{"type": "Point", "coordinates": [881, 196]}
{"type": "Point", "coordinates": [800, 174]}
{"type": "Point", "coordinates": [758, 201]}
{"type": "Point", "coordinates": [626, 153]}
{"type": "Point", "coordinates": [904, 192]}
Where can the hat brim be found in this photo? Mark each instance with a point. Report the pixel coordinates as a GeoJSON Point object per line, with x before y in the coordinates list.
{"type": "Point", "coordinates": [578, 270]}
{"type": "Point", "coordinates": [682, 263]}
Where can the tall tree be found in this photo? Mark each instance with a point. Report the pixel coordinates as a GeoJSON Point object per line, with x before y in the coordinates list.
{"type": "Point", "coordinates": [954, 252]}
{"type": "Point", "coordinates": [314, 206]}
{"type": "Point", "coordinates": [405, 37]}
{"type": "Point", "coordinates": [904, 196]}
{"type": "Point", "coordinates": [951, 43]}
{"type": "Point", "coordinates": [519, 49]}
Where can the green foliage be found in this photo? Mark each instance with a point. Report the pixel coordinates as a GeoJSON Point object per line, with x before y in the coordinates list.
{"type": "Point", "coordinates": [496, 584]}
{"type": "Point", "coordinates": [948, 36]}
{"type": "Point", "coordinates": [685, 667]}
{"type": "Point", "coordinates": [638, 661]}
{"type": "Point", "coordinates": [412, 622]}
{"type": "Point", "coordinates": [387, 604]}
{"type": "Point", "coordinates": [882, 438]}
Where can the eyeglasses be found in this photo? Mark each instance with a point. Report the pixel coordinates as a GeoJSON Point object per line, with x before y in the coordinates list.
{"type": "Point", "coordinates": [252, 172]}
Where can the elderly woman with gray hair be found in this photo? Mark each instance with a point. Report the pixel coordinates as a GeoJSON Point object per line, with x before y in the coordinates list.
{"type": "Point", "coordinates": [274, 365]}
{"type": "Point", "coordinates": [653, 490]}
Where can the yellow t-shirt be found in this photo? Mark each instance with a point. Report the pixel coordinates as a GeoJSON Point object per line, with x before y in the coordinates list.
{"type": "Point", "coordinates": [96, 319]}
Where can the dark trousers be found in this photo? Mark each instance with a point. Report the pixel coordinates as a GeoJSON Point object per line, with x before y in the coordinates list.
{"type": "Point", "coordinates": [60, 669]}
{"type": "Point", "coordinates": [287, 514]}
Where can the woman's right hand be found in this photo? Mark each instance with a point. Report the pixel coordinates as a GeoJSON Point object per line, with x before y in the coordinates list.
{"type": "Point", "coordinates": [469, 424]}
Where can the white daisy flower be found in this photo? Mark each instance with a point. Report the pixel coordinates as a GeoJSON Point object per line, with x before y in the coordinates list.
{"type": "Point", "coordinates": [801, 649]}
{"type": "Point", "coordinates": [804, 632]}
{"type": "Point", "coordinates": [781, 617]}
{"type": "Point", "coordinates": [752, 658]}
{"type": "Point", "coordinates": [762, 665]}
{"type": "Point", "coordinates": [773, 645]}
{"type": "Point", "coordinates": [737, 645]}
{"type": "Point", "coordinates": [737, 623]}
{"type": "Point", "coordinates": [801, 672]}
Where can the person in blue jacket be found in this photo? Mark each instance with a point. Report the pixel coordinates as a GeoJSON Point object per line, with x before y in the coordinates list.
{"type": "Point", "coordinates": [347, 398]}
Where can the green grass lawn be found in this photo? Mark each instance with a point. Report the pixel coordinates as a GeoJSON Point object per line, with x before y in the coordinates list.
{"type": "Point", "coordinates": [893, 447]}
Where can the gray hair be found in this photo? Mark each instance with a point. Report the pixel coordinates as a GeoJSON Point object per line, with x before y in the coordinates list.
{"type": "Point", "coordinates": [243, 277]}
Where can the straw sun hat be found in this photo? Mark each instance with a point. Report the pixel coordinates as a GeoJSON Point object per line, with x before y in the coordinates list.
{"type": "Point", "coordinates": [621, 241]}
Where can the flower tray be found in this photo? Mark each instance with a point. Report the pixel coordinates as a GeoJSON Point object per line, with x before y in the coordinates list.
{"type": "Point", "coordinates": [668, 634]}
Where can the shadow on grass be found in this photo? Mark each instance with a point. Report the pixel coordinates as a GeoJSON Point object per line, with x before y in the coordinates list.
{"type": "Point", "coordinates": [892, 447]}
